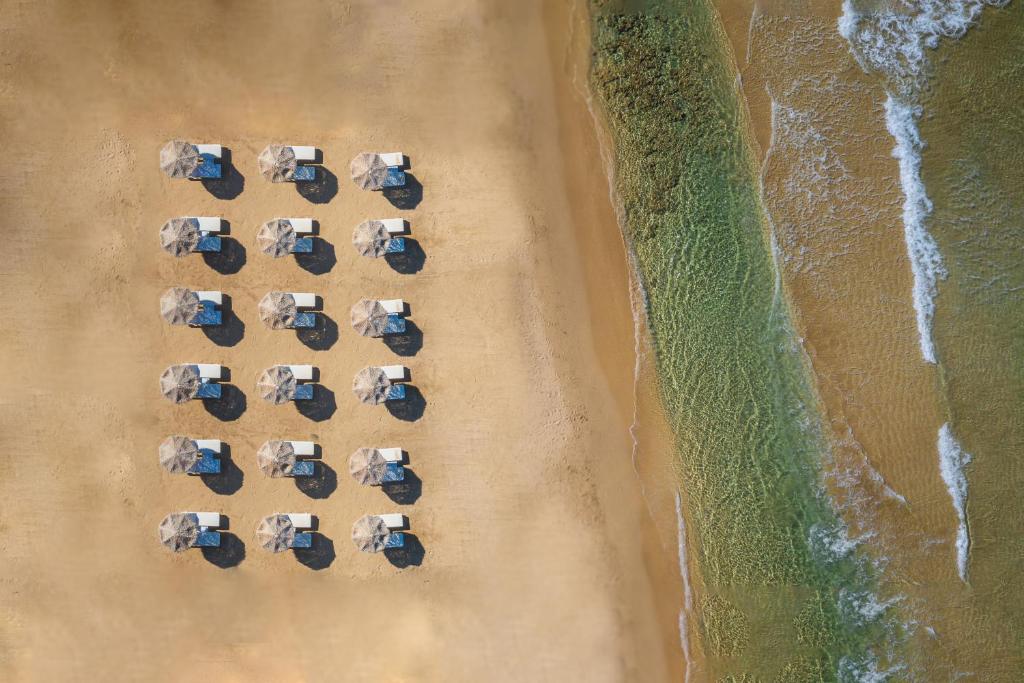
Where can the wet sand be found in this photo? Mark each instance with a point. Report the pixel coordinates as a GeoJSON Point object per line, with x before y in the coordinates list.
{"type": "Point", "coordinates": [534, 557]}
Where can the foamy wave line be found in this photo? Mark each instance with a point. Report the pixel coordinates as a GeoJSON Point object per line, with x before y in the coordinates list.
{"type": "Point", "coordinates": [925, 259]}
{"type": "Point", "coordinates": [952, 460]}
{"type": "Point", "coordinates": [684, 572]}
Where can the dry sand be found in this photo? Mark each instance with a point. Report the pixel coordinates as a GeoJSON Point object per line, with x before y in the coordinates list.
{"type": "Point", "coordinates": [535, 557]}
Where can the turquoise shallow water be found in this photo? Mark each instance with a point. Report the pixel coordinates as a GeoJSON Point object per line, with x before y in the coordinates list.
{"type": "Point", "coordinates": [784, 595]}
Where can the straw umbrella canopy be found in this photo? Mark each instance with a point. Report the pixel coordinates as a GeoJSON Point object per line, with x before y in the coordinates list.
{"type": "Point", "coordinates": [179, 454]}
{"type": "Point", "coordinates": [278, 310]}
{"type": "Point", "coordinates": [368, 466]}
{"type": "Point", "coordinates": [369, 318]}
{"type": "Point", "coordinates": [275, 533]}
{"type": "Point", "coordinates": [371, 238]}
{"type": "Point", "coordinates": [180, 383]}
{"type": "Point", "coordinates": [276, 384]}
{"type": "Point", "coordinates": [276, 458]}
{"type": "Point", "coordinates": [276, 238]}
{"type": "Point", "coordinates": [277, 163]}
{"type": "Point", "coordinates": [179, 306]}
{"type": "Point", "coordinates": [179, 158]}
{"type": "Point", "coordinates": [179, 236]}
{"type": "Point", "coordinates": [179, 530]}
{"type": "Point", "coordinates": [370, 534]}
{"type": "Point", "coordinates": [371, 385]}
{"type": "Point", "coordinates": [369, 171]}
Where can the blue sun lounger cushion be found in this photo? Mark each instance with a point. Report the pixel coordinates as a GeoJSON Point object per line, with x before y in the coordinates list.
{"type": "Point", "coordinates": [304, 174]}
{"type": "Point", "coordinates": [303, 540]}
{"type": "Point", "coordinates": [208, 315]}
{"type": "Point", "coordinates": [207, 539]}
{"type": "Point", "coordinates": [209, 390]}
{"type": "Point", "coordinates": [305, 319]}
{"type": "Point", "coordinates": [395, 540]}
{"type": "Point", "coordinates": [208, 464]}
{"type": "Point", "coordinates": [303, 245]}
{"type": "Point", "coordinates": [396, 393]}
{"type": "Point", "coordinates": [208, 169]}
{"type": "Point", "coordinates": [208, 243]}
{"type": "Point", "coordinates": [303, 468]}
{"type": "Point", "coordinates": [396, 325]}
{"type": "Point", "coordinates": [303, 392]}
{"type": "Point", "coordinates": [393, 472]}
{"type": "Point", "coordinates": [396, 177]}
{"type": "Point", "coordinates": [396, 245]}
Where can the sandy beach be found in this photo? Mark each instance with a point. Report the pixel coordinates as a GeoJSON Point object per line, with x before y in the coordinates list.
{"type": "Point", "coordinates": [535, 555]}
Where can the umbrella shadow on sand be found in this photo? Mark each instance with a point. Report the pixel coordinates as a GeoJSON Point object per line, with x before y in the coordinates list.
{"type": "Point", "coordinates": [229, 554]}
{"type": "Point", "coordinates": [410, 555]}
{"type": "Point", "coordinates": [230, 331]}
{"type": "Point", "coordinates": [321, 485]}
{"type": "Point", "coordinates": [230, 478]}
{"type": "Point", "coordinates": [406, 197]}
{"type": "Point", "coordinates": [321, 190]}
{"type": "Point", "coordinates": [230, 406]}
{"type": "Point", "coordinates": [230, 259]}
{"type": "Point", "coordinates": [320, 556]}
{"type": "Point", "coordinates": [405, 492]}
{"type": "Point", "coordinates": [321, 337]}
{"type": "Point", "coordinates": [411, 408]}
{"type": "Point", "coordinates": [410, 261]}
{"type": "Point", "coordinates": [230, 184]}
{"type": "Point", "coordinates": [319, 408]}
{"type": "Point", "coordinates": [321, 261]}
{"type": "Point", "coordinates": [408, 343]}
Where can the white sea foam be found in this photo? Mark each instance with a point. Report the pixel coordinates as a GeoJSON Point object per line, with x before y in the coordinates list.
{"type": "Point", "coordinates": [895, 40]}
{"type": "Point", "coordinates": [925, 259]}
{"type": "Point", "coordinates": [684, 572]}
{"type": "Point", "coordinates": [952, 460]}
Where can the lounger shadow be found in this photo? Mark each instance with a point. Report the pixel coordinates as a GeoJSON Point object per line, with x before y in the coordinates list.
{"type": "Point", "coordinates": [321, 337]}
{"type": "Point", "coordinates": [230, 331]}
{"type": "Point", "coordinates": [410, 261]}
{"type": "Point", "coordinates": [230, 478]}
{"type": "Point", "coordinates": [229, 406]}
{"type": "Point", "coordinates": [321, 407]}
{"type": "Point", "coordinates": [411, 408]}
{"type": "Point", "coordinates": [405, 492]}
{"type": "Point", "coordinates": [230, 259]}
{"type": "Point", "coordinates": [321, 261]}
{"type": "Point", "coordinates": [408, 343]}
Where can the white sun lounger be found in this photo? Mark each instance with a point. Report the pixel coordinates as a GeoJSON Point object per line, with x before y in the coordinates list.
{"type": "Point", "coordinates": [393, 306]}
{"type": "Point", "coordinates": [391, 454]}
{"type": "Point", "coordinates": [393, 158]}
{"type": "Point", "coordinates": [303, 373]}
{"type": "Point", "coordinates": [394, 226]}
{"type": "Point", "coordinates": [300, 520]}
{"type": "Point", "coordinates": [304, 153]}
{"type": "Point", "coordinates": [301, 226]}
{"type": "Point", "coordinates": [304, 299]}
{"type": "Point", "coordinates": [214, 296]}
{"type": "Point", "coordinates": [215, 150]}
{"type": "Point", "coordinates": [209, 223]}
{"type": "Point", "coordinates": [208, 371]}
{"type": "Point", "coordinates": [394, 521]}
{"type": "Point", "coordinates": [209, 519]}
{"type": "Point", "coordinates": [304, 449]}
{"type": "Point", "coordinates": [396, 373]}
{"type": "Point", "coordinates": [209, 445]}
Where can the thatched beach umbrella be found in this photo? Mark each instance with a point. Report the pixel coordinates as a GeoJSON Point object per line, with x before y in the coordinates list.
{"type": "Point", "coordinates": [179, 306]}
{"type": "Point", "coordinates": [179, 454]}
{"type": "Point", "coordinates": [277, 163]}
{"type": "Point", "coordinates": [278, 310]}
{"type": "Point", "coordinates": [179, 158]}
{"type": "Point", "coordinates": [370, 534]}
{"type": "Point", "coordinates": [179, 236]}
{"type": "Point", "coordinates": [371, 238]}
{"type": "Point", "coordinates": [179, 530]}
{"type": "Point", "coordinates": [180, 383]}
{"type": "Point", "coordinates": [371, 385]}
{"type": "Point", "coordinates": [369, 318]}
{"type": "Point", "coordinates": [276, 458]}
{"type": "Point", "coordinates": [276, 384]}
{"type": "Point", "coordinates": [369, 171]}
{"type": "Point", "coordinates": [276, 238]}
{"type": "Point", "coordinates": [275, 533]}
{"type": "Point", "coordinates": [368, 466]}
